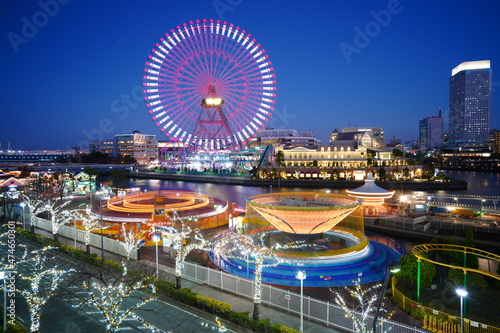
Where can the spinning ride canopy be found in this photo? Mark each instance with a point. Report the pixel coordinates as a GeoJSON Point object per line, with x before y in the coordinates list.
{"type": "Point", "coordinates": [303, 212]}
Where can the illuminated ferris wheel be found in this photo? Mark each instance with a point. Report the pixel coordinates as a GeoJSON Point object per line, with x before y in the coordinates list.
{"type": "Point", "coordinates": [209, 85]}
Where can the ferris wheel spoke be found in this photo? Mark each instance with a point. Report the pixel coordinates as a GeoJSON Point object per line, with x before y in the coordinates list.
{"type": "Point", "coordinates": [181, 69]}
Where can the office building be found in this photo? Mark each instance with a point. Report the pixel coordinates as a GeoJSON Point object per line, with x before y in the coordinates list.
{"type": "Point", "coordinates": [142, 147]}
{"type": "Point", "coordinates": [470, 102]}
{"type": "Point", "coordinates": [431, 132]}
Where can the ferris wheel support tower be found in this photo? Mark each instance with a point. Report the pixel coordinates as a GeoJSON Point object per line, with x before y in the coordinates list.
{"type": "Point", "coordinates": [212, 130]}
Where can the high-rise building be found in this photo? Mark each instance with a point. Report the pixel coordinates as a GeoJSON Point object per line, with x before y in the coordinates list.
{"type": "Point", "coordinates": [431, 132]}
{"type": "Point", "coordinates": [470, 102]}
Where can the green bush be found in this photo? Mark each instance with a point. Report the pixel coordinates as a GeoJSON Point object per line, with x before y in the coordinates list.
{"type": "Point", "coordinates": [219, 307]}
{"type": "Point", "coordinates": [285, 329]}
{"type": "Point", "coordinates": [417, 313]}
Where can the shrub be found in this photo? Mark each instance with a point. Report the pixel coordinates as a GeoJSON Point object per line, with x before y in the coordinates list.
{"type": "Point", "coordinates": [219, 307]}
{"type": "Point", "coordinates": [285, 329]}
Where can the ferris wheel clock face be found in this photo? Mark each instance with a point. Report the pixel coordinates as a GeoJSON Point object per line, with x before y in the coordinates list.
{"type": "Point", "coordinates": [209, 85]}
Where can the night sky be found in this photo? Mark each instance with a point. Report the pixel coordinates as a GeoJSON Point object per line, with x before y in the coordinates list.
{"type": "Point", "coordinates": [61, 77]}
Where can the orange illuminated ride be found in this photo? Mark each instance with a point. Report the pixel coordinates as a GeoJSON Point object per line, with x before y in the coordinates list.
{"type": "Point", "coordinates": [145, 202]}
{"type": "Point", "coordinates": [303, 212]}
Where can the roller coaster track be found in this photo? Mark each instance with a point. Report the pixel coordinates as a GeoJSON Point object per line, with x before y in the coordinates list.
{"type": "Point", "coordinates": [420, 250]}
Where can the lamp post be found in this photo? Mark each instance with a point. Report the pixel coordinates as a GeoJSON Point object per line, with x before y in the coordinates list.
{"type": "Point", "coordinates": [394, 267]}
{"type": "Point", "coordinates": [301, 275]}
{"type": "Point", "coordinates": [461, 292]}
{"type": "Point", "coordinates": [156, 239]}
{"type": "Point", "coordinates": [102, 232]}
{"type": "Point", "coordinates": [23, 204]}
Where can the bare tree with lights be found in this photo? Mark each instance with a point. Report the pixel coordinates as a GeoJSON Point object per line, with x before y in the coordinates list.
{"type": "Point", "coordinates": [232, 244]}
{"type": "Point", "coordinates": [43, 282]}
{"type": "Point", "coordinates": [131, 241]}
{"type": "Point", "coordinates": [89, 223]}
{"type": "Point", "coordinates": [359, 303]}
{"type": "Point", "coordinates": [57, 216]}
{"type": "Point", "coordinates": [179, 236]}
{"type": "Point", "coordinates": [118, 300]}
{"type": "Point", "coordinates": [35, 206]}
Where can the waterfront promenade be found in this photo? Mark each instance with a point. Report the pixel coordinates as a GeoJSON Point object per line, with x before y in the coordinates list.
{"type": "Point", "coordinates": [304, 183]}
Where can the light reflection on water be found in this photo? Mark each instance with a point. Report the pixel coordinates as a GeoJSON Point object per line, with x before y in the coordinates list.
{"type": "Point", "coordinates": [480, 183]}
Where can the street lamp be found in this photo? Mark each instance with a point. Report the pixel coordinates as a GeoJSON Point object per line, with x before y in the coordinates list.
{"type": "Point", "coordinates": [393, 268]}
{"type": "Point", "coordinates": [156, 239]}
{"type": "Point", "coordinates": [461, 292]}
{"type": "Point", "coordinates": [301, 275]}
{"type": "Point", "coordinates": [23, 204]}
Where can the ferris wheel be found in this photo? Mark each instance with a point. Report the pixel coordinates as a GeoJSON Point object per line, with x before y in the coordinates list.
{"type": "Point", "coordinates": [209, 85]}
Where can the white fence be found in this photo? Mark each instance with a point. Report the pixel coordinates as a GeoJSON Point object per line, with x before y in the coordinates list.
{"type": "Point", "coordinates": [327, 313]}
{"type": "Point", "coordinates": [110, 245]}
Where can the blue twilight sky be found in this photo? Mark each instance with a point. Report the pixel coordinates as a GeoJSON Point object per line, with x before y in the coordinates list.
{"type": "Point", "coordinates": [63, 71]}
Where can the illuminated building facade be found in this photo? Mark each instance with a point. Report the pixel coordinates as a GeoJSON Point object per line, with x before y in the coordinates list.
{"type": "Point", "coordinates": [470, 102]}
{"type": "Point", "coordinates": [142, 147]}
{"type": "Point", "coordinates": [288, 138]}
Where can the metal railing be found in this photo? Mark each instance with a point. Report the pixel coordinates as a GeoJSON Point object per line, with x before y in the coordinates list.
{"type": "Point", "coordinates": [326, 313]}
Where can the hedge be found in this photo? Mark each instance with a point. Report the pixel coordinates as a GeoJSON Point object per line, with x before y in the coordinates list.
{"type": "Point", "coordinates": [219, 307]}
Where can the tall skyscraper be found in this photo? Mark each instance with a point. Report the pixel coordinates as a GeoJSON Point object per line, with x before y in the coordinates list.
{"type": "Point", "coordinates": [470, 102]}
{"type": "Point", "coordinates": [431, 132]}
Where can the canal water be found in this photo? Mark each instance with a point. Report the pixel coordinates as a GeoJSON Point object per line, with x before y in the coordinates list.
{"type": "Point", "coordinates": [480, 184]}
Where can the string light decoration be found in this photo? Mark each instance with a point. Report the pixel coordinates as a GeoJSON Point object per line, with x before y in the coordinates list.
{"type": "Point", "coordinates": [232, 244]}
{"type": "Point", "coordinates": [8, 261]}
{"type": "Point", "coordinates": [35, 206]}
{"type": "Point", "coordinates": [89, 223]}
{"type": "Point", "coordinates": [359, 302]}
{"type": "Point", "coordinates": [131, 240]}
{"type": "Point", "coordinates": [219, 325]}
{"type": "Point", "coordinates": [57, 216]}
{"type": "Point", "coordinates": [110, 301]}
{"type": "Point", "coordinates": [184, 239]}
{"type": "Point", "coordinates": [43, 282]}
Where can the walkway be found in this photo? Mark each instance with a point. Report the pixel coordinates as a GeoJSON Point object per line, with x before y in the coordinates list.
{"type": "Point", "coordinates": [239, 304]}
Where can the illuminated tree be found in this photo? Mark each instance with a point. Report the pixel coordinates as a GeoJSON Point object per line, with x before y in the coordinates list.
{"type": "Point", "coordinates": [88, 221]}
{"type": "Point", "coordinates": [43, 282]}
{"type": "Point", "coordinates": [232, 244]}
{"type": "Point", "coordinates": [131, 240]}
{"type": "Point", "coordinates": [57, 216]}
{"type": "Point", "coordinates": [359, 303]}
{"type": "Point", "coordinates": [118, 300]}
{"type": "Point", "coordinates": [35, 206]}
{"type": "Point", "coordinates": [184, 239]}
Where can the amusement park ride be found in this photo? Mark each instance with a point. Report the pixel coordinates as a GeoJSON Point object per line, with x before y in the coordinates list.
{"type": "Point", "coordinates": [196, 69]}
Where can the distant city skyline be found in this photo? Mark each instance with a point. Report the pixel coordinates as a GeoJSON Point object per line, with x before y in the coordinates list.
{"type": "Point", "coordinates": [72, 71]}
